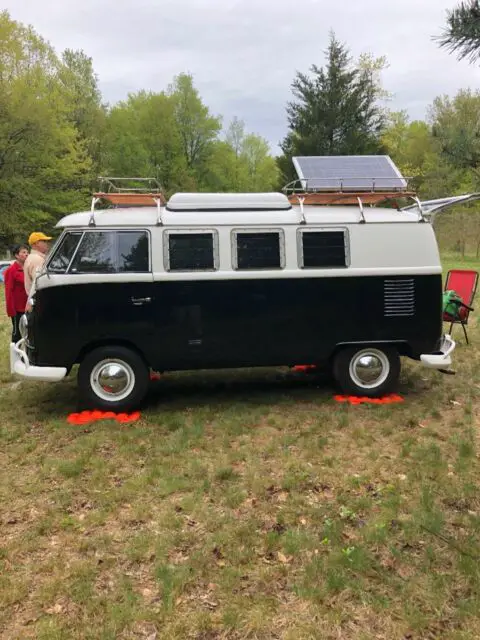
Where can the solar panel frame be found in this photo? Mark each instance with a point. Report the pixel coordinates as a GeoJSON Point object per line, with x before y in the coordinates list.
{"type": "Point", "coordinates": [348, 173]}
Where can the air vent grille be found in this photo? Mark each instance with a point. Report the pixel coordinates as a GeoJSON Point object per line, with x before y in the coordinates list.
{"type": "Point", "coordinates": [399, 297]}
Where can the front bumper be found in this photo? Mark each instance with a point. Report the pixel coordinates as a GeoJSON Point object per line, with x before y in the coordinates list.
{"type": "Point", "coordinates": [20, 365]}
{"type": "Point", "coordinates": [441, 358]}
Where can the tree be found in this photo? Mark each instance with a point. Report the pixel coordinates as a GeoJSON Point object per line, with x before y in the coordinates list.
{"type": "Point", "coordinates": [198, 128]}
{"type": "Point", "coordinates": [43, 163]}
{"type": "Point", "coordinates": [222, 173]}
{"type": "Point", "coordinates": [143, 139]}
{"type": "Point", "coordinates": [456, 127]}
{"type": "Point", "coordinates": [125, 154]}
{"type": "Point", "coordinates": [413, 149]}
{"type": "Point", "coordinates": [236, 135]}
{"type": "Point", "coordinates": [159, 132]}
{"type": "Point", "coordinates": [455, 124]}
{"type": "Point", "coordinates": [235, 138]}
{"type": "Point", "coordinates": [84, 101]}
{"type": "Point", "coordinates": [462, 33]}
{"type": "Point", "coordinates": [254, 167]}
{"type": "Point", "coordinates": [261, 168]}
{"type": "Point", "coordinates": [336, 111]}
{"type": "Point", "coordinates": [56, 136]}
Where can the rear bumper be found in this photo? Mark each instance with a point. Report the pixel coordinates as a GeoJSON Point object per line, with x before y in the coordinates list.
{"type": "Point", "coordinates": [441, 358]}
{"type": "Point", "coordinates": [20, 365]}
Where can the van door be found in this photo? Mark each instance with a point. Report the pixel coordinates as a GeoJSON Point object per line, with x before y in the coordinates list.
{"type": "Point", "coordinates": [182, 340]}
{"type": "Point", "coordinates": [114, 288]}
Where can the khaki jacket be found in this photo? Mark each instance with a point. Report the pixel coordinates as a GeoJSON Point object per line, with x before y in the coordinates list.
{"type": "Point", "coordinates": [32, 264]}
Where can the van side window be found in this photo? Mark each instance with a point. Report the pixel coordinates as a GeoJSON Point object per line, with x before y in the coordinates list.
{"type": "Point", "coordinates": [190, 251]}
{"type": "Point", "coordinates": [112, 252]}
{"type": "Point", "coordinates": [258, 250]}
{"type": "Point", "coordinates": [133, 252]}
{"type": "Point", "coordinates": [96, 253]}
{"type": "Point", "coordinates": [60, 260]}
{"type": "Point", "coordinates": [322, 249]}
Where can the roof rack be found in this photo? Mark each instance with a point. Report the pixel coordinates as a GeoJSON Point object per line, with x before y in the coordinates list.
{"type": "Point", "coordinates": [299, 193]}
{"type": "Point", "coordinates": [342, 198]}
{"type": "Point", "coordinates": [348, 190]}
{"type": "Point", "coordinates": [134, 192]}
{"type": "Point", "coordinates": [129, 192]}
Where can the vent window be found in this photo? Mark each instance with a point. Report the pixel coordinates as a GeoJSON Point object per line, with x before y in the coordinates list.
{"type": "Point", "coordinates": [322, 249]}
{"type": "Point", "coordinates": [258, 250]}
{"type": "Point", "coordinates": [191, 252]}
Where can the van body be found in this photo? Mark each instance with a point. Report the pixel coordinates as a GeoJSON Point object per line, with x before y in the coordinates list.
{"type": "Point", "coordinates": [234, 280]}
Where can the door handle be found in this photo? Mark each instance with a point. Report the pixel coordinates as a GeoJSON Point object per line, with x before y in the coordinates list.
{"type": "Point", "coordinates": [137, 302]}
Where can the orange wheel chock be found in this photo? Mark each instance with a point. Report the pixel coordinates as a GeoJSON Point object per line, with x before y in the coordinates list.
{"type": "Point", "coordinates": [86, 417]}
{"type": "Point", "coordinates": [354, 400]}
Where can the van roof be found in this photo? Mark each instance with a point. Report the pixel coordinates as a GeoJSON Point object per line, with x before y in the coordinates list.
{"type": "Point", "coordinates": [148, 216]}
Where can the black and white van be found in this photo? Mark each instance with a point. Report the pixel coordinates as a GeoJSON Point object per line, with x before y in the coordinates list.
{"type": "Point", "coordinates": [235, 280]}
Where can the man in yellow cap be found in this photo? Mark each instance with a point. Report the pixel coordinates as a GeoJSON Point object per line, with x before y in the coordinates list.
{"type": "Point", "coordinates": [38, 241]}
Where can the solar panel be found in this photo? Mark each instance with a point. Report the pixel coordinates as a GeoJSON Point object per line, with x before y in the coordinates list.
{"type": "Point", "coordinates": [348, 173]}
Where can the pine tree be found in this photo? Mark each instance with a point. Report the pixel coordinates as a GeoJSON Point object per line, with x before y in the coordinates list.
{"type": "Point", "coordinates": [336, 111]}
{"type": "Point", "coordinates": [462, 34]}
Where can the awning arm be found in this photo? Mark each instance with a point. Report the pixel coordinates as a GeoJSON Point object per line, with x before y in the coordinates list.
{"type": "Point", "coordinates": [432, 207]}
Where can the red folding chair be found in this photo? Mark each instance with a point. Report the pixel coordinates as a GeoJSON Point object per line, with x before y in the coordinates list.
{"type": "Point", "coordinates": [464, 283]}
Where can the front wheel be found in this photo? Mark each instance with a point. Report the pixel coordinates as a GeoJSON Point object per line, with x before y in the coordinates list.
{"type": "Point", "coordinates": [113, 378]}
{"type": "Point", "coordinates": [367, 371]}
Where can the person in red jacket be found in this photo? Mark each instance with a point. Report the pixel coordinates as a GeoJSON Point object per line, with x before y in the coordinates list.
{"type": "Point", "coordinates": [15, 294]}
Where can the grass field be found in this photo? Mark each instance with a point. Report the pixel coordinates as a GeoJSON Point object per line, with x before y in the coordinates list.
{"type": "Point", "coordinates": [244, 505]}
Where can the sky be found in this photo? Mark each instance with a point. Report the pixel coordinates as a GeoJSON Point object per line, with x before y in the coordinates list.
{"type": "Point", "coordinates": [244, 54]}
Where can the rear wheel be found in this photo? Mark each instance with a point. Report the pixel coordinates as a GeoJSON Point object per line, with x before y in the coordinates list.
{"type": "Point", "coordinates": [367, 371]}
{"type": "Point", "coordinates": [113, 378]}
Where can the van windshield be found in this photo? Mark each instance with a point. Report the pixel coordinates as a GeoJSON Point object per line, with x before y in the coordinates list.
{"type": "Point", "coordinates": [60, 260]}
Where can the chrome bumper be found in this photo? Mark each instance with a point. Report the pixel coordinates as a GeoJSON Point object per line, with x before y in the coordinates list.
{"type": "Point", "coordinates": [20, 365]}
{"type": "Point", "coordinates": [440, 359]}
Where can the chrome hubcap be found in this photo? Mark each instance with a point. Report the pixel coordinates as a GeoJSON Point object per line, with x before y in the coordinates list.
{"type": "Point", "coordinates": [112, 380]}
{"type": "Point", "coordinates": [369, 368]}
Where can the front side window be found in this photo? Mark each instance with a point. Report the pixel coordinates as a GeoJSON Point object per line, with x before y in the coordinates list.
{"type": "Point", "coordinates": [60, 260]}
{"type": "Point", "coordinates": [258, 250]}
{"type": "Point", "coordinates": [96, 253]}
{"type": "Point", "coordinates": [191, 252]}
{"type": "Point", "coordinates": [112, 252]}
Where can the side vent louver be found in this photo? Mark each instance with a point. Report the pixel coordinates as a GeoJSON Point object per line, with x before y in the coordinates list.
{"type": "Point", "coordinates": [399, 297]}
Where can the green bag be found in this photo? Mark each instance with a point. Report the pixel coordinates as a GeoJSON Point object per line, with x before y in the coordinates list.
{"type": "Point", "coordinates": [450, 306]}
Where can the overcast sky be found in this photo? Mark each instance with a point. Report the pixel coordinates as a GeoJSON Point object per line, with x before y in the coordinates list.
{"type": "Point", "coordinates": [244, 53]}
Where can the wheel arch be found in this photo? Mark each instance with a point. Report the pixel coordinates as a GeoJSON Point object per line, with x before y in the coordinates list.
{"type": "Point", "coordinates": [109, 342]}
{"type": "Point", "coordinates": [402, 346]}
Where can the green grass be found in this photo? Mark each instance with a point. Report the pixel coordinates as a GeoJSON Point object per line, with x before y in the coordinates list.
{"type": "Point", "coordinates": [244, 505]}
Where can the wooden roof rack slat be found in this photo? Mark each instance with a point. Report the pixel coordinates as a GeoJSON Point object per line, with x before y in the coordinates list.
{"type": "Point", "coordinates": [132, 199]}
{"type": "Point", "coordinates": [129, 192]}
{"type": "Point", "coordinates": [347, 198]}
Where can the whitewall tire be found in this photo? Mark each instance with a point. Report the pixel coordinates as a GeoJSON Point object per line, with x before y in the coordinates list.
{"type": "Point", "coordinates": [113, 378]}
{"type": "Point", "coordinates": [371, 371]}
